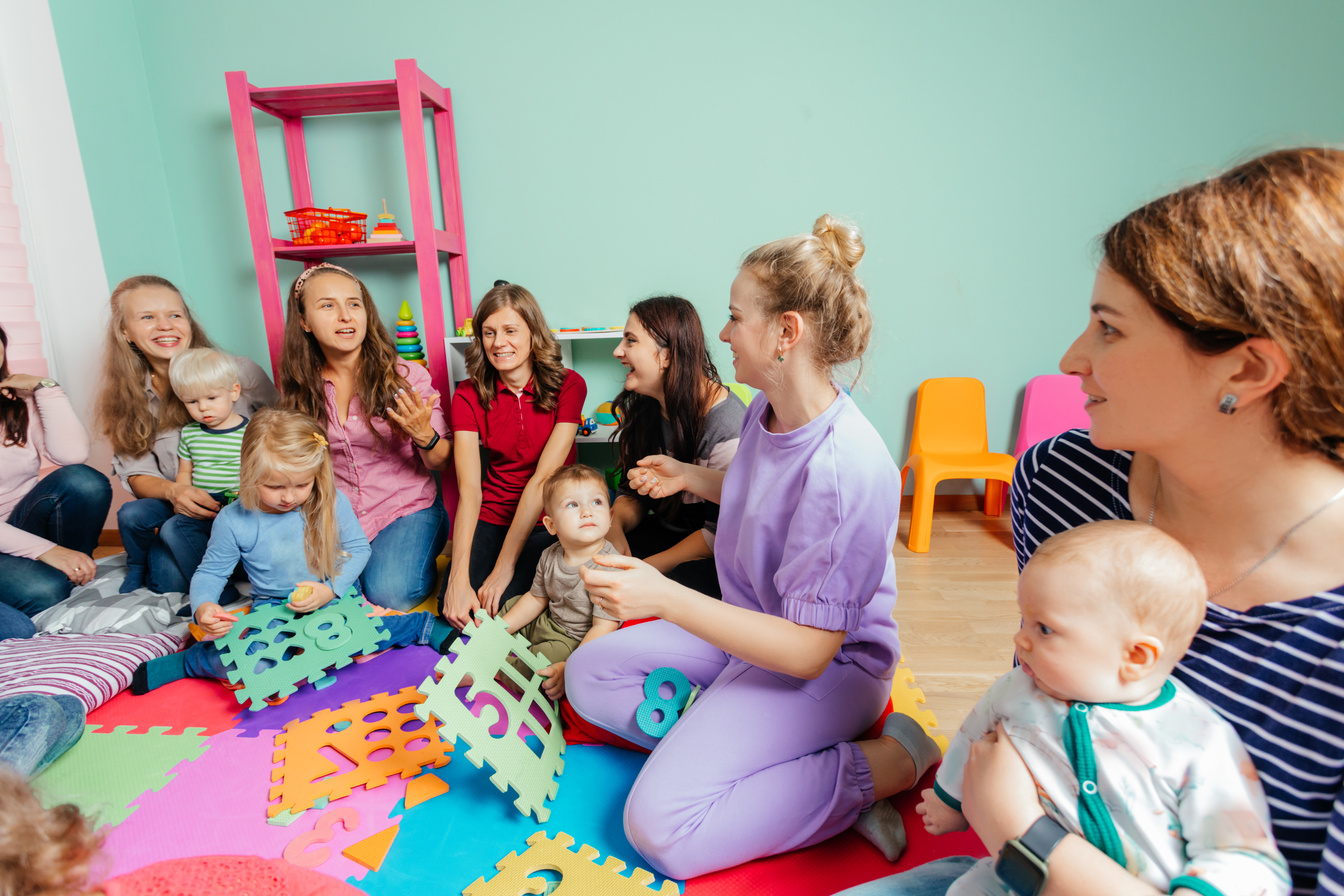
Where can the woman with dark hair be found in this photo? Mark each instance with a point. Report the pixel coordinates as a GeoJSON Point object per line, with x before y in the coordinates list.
{"type": "Point", "coordinates": [1213, 362]}
{"type": "Point", "coordinates": [138, 412]}
{"type": "Point", "coordinates": [523, 407]}
{"type": "Point", "coordinates": [49, 526]}
{"type": "Point", "coordinates": [384, 424]}
{"type": "Point", "coordinates": [673, 404]}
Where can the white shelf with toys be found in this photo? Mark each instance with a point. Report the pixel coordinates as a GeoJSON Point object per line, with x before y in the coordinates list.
{"type": "Point", "coordinates": [456, 349]}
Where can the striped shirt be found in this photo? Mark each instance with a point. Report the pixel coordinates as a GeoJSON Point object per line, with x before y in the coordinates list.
{"type": "Point", "coordinates": [1276, 671]}
{"type": "Point", "coordinates": [215, 455]}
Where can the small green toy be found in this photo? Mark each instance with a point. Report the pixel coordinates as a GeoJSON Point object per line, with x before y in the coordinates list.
{"type": "Point", "coordinates": [261, 653]}
{"type": "Point", "coordinates": [483, 653]}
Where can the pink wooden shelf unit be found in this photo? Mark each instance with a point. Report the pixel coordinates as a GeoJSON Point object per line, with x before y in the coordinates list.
{"type": "Point", "coordinates": [410, 92]}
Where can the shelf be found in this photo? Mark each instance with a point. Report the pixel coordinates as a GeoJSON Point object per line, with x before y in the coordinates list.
{"type": "Point", "coordinates": [561, 337]}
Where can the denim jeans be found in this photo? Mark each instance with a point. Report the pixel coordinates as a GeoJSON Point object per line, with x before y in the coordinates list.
{"type": "Point", "coordinates": [139, 523]}
{"type": "Point", "coordinates": [14, 624]}
{"type": "Point", "coordinates": [401, 570]}
{"type": "Point", "coordinates": [485, 546]}
{"type": "Point", "coordinates": [68, 507]}
{"type": "Point", "coordinates": [203, 661]}
{"type": "Point", "coordinates": [931, 879]}
{"type": "Point", "coordinates": [36, 729]}
{"type": "Point", "coordinates": [186, 539]}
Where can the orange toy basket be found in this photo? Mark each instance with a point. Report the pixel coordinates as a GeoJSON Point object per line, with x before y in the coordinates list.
{"type": "Point", "coordinates": [326, 226]}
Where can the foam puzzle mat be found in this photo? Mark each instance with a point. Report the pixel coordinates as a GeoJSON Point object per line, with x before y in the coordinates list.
{"type": "Point", "coordinates": [186, 771]}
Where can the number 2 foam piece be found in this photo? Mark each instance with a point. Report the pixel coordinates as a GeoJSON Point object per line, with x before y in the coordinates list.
{"type": "Point", "coordinates": [483, 655]}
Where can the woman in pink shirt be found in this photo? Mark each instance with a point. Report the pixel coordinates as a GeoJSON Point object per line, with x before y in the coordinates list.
{"type": "Point", "coordinates": [523, 407]}
{"type": "Point", "coordinates": [49, 526]}
{"type": "Point", "coordinates": [384, 424]}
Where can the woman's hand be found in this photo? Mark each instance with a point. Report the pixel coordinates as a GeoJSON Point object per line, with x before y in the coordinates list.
{"type": "Point", "coordinates": [554, 685]}
{"type": "Point", "coordinates": [78, 568]}
{"type": "Point", "coordinates": [194, 502]}
{"type": "Point", "coordinates": [658, 476]}
{"type": "Point", "coordinates": [999, 796]}
{"type": "Point", "coordinates": [625, 587]}
{"type": "Point", "coordinates": [19, 382]}
{"type": "Point", "coordinates": [214, 621]}
{"type": "Point", "coordinates": [460, 602]}
{"type": "Point", "coordinates": [492, 589]}
{"type": "Point", "coordinates": [412, 413]}
{"type": "Point", "coordinates": [318, 596]}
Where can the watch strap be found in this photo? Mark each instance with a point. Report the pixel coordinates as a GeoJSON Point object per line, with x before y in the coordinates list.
{"type": "Point", "coordinates": [1043, 836]}
{"type": "Point", "coordinates": [432, 442]}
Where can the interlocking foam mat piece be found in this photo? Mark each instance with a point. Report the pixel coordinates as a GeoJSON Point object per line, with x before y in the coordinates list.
{"type": "Point", "coordinates": [175, 792]}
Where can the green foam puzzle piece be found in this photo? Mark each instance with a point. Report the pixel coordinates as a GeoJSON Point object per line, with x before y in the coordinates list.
{"type": "Point", "coordinates": [285, 818]}
{"type": "Point", "coordinates": [483, 653]}
{"type": "Point", "coordinates": [106, 771]}
{"type": "Point", "coordinates": [330, 637]}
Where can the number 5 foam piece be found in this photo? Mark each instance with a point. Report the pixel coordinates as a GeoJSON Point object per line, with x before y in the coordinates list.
{"type": "Point", "coordinates": [484, 655]}
{"type": "Point", "coordinates": [359, 731]}
{"type": "Point", "coordinates": [261, 651]}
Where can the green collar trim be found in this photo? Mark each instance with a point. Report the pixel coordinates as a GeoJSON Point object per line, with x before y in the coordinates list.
{"type": "Point", "coordinates": [1164, 696]}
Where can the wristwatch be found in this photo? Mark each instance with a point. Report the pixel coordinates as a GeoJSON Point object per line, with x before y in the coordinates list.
{"type": "Point", "coordinates": [432, 442]}
{"type": "Point", "coordinates": [46, 383]}
{"type": "Point", "coordinates": [1024, 861]}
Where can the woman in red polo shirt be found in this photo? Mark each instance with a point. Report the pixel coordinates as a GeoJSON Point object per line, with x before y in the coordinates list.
{"type": "Point", "coordinates": [524, 407]}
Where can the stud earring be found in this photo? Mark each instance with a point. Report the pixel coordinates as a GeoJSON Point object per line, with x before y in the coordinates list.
{"type": "Point", "coordinates": [1228, 405]}
{"type": "Point", "coordinates": [780, 359]}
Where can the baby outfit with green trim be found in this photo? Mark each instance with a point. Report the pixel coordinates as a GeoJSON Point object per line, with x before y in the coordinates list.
{"type": "Point", "coordinates": [1165, 788]}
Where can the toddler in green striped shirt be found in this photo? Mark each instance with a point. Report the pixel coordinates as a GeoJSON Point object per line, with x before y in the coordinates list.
{"type": "Point", "coordinates": [210, 449]}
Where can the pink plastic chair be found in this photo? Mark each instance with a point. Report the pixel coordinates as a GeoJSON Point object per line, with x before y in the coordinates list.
{"type": "Point", "coordinates": [1053, 403]}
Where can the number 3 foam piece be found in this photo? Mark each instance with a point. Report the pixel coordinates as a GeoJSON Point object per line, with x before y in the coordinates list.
{"type": "Point", "coordinates": [385, 723]}
{"type": "Point", "coordinates": [273, 650]}
{"type": "Point", "coordinates": [483, 653]}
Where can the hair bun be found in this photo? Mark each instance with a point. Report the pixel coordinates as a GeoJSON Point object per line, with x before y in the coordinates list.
{"type": "Point", "coordinates": [843, 241]}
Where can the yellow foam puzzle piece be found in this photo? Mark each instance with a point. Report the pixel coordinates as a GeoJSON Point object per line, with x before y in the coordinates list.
{"type": "Point", "coordinates": [908, 699]}
{"type": "Point", "coordinates": [579, 872]}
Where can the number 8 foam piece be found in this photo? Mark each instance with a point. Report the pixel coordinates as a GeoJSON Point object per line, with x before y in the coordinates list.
{"type": "Point", "coordinates": [669, 709]}
{"type": "Point", "coordinates": [273, 650]}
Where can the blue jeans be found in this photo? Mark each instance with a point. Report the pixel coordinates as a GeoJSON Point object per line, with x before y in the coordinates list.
{"type": "Point", "coordinates": [68, 507]}
{"type": "Point", "coordinates": [401, 570]}
{"type": "Point", "coordinates": [149, 562]}
{"type": "Point", "coordinates": [36, 729]}
{"type": "Point", "coordinates": [203, 661]}
{"type": "Point", "coordinates": [931, 879]}
{"type": "Point", "coordinates": [14, 624]}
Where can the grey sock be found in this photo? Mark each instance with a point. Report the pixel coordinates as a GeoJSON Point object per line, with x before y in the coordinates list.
{"type": "Point", "coordinates": [882, 826]}
{"type": "Point", "coordinates": [916, 740]}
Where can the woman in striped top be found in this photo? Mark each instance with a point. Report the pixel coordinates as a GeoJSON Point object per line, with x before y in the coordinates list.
{"type": "Point", "coordinates": [1214, 369]}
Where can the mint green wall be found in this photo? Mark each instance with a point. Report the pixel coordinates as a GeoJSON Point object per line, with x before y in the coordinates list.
{"type": "Point", "coordinates": [610, 151]}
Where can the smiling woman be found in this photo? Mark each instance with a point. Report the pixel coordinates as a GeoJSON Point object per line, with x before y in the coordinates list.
{"type": "Point", "coordinates": [383, 420]}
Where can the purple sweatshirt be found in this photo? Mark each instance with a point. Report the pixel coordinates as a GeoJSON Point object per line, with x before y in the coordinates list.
{"type": "Point", "coordinates": [806, 527]}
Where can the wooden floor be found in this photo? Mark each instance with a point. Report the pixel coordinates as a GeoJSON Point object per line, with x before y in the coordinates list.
{"type": "Point", "coordinates": [956, 606]}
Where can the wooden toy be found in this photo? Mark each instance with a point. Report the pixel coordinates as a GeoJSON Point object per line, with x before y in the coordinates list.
{"type": "Point", "coordinates": [385, 231]}
{"type": "Point", "coordinates": [483, 655]}
{"type": "Point", "coordinates": [275, 649]}
{"type": "Point", "coordinates": [579, 872]}
{"type": "Point", "coordinates": [423, 789]}
{"type": "Point", "coordinates": [409, 346]}
{"type": "Point", "coordinates": [371, 851]}
{"type": "Point", "coordinates": [376, 725]}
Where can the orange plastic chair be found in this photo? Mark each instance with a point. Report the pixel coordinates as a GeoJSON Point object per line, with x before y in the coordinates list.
{"type": "Point", "coordinates": [1053, 403]}
{"type": "Point", "coordinates": [950, 442]}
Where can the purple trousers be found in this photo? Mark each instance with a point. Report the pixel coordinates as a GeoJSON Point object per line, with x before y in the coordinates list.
{"type": "Point", "coordinates": [757, 766]}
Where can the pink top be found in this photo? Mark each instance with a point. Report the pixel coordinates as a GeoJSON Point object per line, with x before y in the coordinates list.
{"type": "Point", "coordinates": [55, 436]}
{"type": "Point", "coordinates": [226, 876]}
{"type": "Point", "coordinates": [386, 480]}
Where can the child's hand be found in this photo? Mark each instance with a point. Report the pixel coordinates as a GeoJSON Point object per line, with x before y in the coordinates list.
{"type": "Point", "coordinates": [657, 476]}
{"type": "Point", "coordinates": [939, 817]}
{"type": "Point", "coordinates": [214, 621]}
{"type": "Point", "coordinates": [317, 597]}
{"type": "Point", "coordinates": [554, 685]}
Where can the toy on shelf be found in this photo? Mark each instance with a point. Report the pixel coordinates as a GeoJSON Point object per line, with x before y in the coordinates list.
{"type": "Point", "coordinates": [607, 414]}
{"type": "Point", "coordinates": [580, 873]}
{"type": "Point", "coordinates": [326, 226]}
{"type": "Point", "coordinates": [306, 776]}
{"type": "Point", "coordinates": [588, 426]}
{"type": "Point", "coordinates": [273, 650]}
{"type": "Point", "coordinates": [484, 655]}
{"type": "Point", "coordinates": [409, 346]}
{"type": "Point", "coordinates": [385, 231]}
{"type": "Point", "coordinates": [466, 329]}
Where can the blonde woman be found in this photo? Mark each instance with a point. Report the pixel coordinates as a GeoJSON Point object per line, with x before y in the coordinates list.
{"type": "Point", "coordinates": [291, 528]}
{"type": "Point", "coordinates": [524, 408]}
{"type": "Point", "coordinates": [142, 418]}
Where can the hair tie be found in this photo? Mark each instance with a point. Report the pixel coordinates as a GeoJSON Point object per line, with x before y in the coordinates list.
{"type": "Point", "coordinates": [320, 439]}
{"type": "Point", "coordinates": [318, 268]}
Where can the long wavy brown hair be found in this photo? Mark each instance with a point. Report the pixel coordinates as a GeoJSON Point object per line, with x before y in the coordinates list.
{"type": "Point", "coordinates": [13, 409]}
{"type": "Point", "coordinates": [122, 413]}
{"type": "Point", "coordinates": [548, 371]}
{"type": "Point", "coordinates": [1254, 252]}
{"type": "Point", "coordinates": [690, 384]}
{"type": "Point", "coordinates": [377, 377]}
{"type": "Point", "coordinates": [292, 444]}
